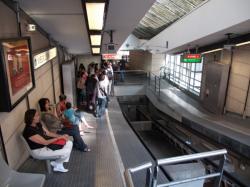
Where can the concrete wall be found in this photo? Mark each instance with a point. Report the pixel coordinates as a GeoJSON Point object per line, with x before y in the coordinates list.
{"type": "Point", "coordinates": [140, 60]}
{"type": "Point", "coordinates": [12, 123]}
{"type": "Point", "coordinates": [239, 81]}
{"type": "Point", "coordinates": [158, 60]}
{"type": "Point", "coordinates": [237, 94]}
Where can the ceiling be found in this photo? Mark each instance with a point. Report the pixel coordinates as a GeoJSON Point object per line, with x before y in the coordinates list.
{"type": "Point", "coordinates": [64, 21]}
{"type": "Point", "coordinates": [162, 14]}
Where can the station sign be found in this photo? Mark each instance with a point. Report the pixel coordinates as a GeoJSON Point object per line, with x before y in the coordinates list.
{"type": "Point", "coordinates": [111, 56]}
{"type": "Point", "coordinates": [44, 57]}
{"type": "Point", "coordinates": [191, 58]}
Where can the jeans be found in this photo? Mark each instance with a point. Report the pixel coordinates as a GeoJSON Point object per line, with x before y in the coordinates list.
{"type": "Point", "coordinates": [100, 110]}
{"type": "Point", "coordinates": [122, 76]}
{"type": "Point", "coordinates": [78, 142]}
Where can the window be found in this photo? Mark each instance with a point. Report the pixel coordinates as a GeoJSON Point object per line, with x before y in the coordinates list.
{"type": "Point", "coordinates": [186, 75]}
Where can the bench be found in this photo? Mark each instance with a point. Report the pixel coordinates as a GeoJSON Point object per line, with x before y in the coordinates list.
{"type": "Point", "coordinates": [47, 159]}
{"type": "Point", "coordinates": [12, 178]}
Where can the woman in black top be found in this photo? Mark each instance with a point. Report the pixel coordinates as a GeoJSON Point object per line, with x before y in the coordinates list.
{"type": "Point", "coordinates": [38, 138]}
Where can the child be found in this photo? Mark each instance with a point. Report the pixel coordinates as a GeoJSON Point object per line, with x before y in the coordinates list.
{"type": "Point", "coordinates": [71, 115]}
{"type": "Point", "coordinates": [76, 118]}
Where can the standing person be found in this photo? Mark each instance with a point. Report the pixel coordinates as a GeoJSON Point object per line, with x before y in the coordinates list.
{"type": "Point", "coordinates": [122, 65]}
{"type": "Point", "coordinates": [81, 87]}
{"type": "Point", "coordinates": [39, 138]}
{"type": "Point", "coordinates": [102, 96]}
{"type": "Point", "coordinates": [91, 89]}
{"type": "Point", "coordinates": [110, 74]}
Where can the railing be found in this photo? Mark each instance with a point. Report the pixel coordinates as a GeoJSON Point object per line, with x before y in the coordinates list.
{"type": "Point", "coordinates": [154, 83]}
{"type": "Point", "coordinates": [128, 172]}
{"type": "Point", "coordinates": [152, 181]}
{"type": "Point", "coordinates": [130, 77]}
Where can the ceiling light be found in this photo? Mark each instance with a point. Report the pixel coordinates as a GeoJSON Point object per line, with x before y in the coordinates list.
{"type": "Point", "coordinates": [95, 15]}
{"type": "Point", "coordinates": [243, 43]}
{"type": "Point", "coordinates": [96, 50]}
{"type": "Point", "coordinates": [211, 51]}
{"type": "Point", "coordinates": [95, 39]}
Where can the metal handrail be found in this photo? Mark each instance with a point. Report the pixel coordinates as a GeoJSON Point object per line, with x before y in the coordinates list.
{"type": "Point", "coordinates": [141, 167]}
{"type": "Point", "coordinates": [218, 172]}
{"type": "Point", "coordinates": [191, 157]}
{"type": "Point", "coordinates": [128, 177]}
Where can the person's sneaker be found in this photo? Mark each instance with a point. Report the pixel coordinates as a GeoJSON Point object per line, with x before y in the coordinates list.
{"type": "Point", "coordinates": [87, 150]}
{"type": "Point", "coordinates": [60, 169]}
{"type": "Point", "coordinates": [53, 163]}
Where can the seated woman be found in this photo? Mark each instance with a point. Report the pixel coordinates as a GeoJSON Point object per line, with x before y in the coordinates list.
{"type": "Point", "coordinates": [38, 138]}
{"type": "Point", "coordinates": [48, 117]}
{"type": "Point", "coordinates": [72, 130]}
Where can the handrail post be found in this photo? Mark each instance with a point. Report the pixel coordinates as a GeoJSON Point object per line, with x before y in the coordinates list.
{"type": "Point", "coordinates": [217, 182]}
{"type": "Point", "coordinates": [149, 78]}
{"type": "Point", "coordinates": [148, 177]}
{"type": "Point", "coordinates": [159, 86]}
{"type": "Point", "coordinates": [155, 177]}
{"type": "Point", "coordinates": [155, 83]}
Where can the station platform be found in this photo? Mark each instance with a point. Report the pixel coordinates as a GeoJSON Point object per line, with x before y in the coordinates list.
{"type": "Point", "coordinates": [114, 147]}
{"type": "Point", "coordinates": [230, 130]}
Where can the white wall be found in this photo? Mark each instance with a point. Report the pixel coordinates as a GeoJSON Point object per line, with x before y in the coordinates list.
{"type": "Point", "coordinates": [211, 17]}
{"type": "Point", "coordinates": [158, 60]}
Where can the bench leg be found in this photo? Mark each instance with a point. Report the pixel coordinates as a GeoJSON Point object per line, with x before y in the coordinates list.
{"type": "Point", "coordinates": [48, 166]}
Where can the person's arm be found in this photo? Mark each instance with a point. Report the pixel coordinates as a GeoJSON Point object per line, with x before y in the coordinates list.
{"type": "Point", "coordinates": [40, 140]}
{"type": "Point", "coordinates": [58, 111]}
{"type": "Point", "coordinates": [54, 135]}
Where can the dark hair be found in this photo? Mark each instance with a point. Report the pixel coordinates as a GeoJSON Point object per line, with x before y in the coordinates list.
{"type": "Point", "coordinates": [29, 116]}
{"type": "Point", "coordinates": [68, 105]}
{"type": "Point", "coordinates": [42, 103]}
{"type": "Point", "coordinates": [62, 97]}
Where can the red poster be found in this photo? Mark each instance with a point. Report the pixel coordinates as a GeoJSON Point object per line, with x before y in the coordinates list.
{"type": "Point", "coordinates": [18, 63]}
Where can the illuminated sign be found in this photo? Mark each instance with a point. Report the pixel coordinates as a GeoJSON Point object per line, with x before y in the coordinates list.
{"type": "Point", "coordinates": [44, 57]}
{"type": "Point", "coordinates": [191, 58]}
{"type": "Point", "coordinates": [111, 56]}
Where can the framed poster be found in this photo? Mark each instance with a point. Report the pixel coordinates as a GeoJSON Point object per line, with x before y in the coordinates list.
{"type": "Point", "coordinates": [16, 72]}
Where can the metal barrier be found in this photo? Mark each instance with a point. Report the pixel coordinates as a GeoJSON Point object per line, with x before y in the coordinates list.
{"type": "Point", "coordinates": [154, 82]}
{"type": "Point", "coordinates": [128, 172]}
{"type": "Point", "coordinates": [130, 77]}
{"type": "Point", "coordinates": [151, 181]}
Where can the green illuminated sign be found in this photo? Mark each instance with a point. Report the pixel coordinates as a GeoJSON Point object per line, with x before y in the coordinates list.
{"type": "Point", "coordinates": [191, 58]}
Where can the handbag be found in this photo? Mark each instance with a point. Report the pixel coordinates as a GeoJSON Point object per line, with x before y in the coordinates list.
{"type": "Point", "coordinates": [58, 144]}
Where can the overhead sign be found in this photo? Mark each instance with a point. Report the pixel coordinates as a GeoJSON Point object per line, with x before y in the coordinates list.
{"type": "Point", "coordinates": [44, 57]}
{"type": "Point", "coordinates": [191, 58]}
{"type": "Point", "coordinates": [111, 56]}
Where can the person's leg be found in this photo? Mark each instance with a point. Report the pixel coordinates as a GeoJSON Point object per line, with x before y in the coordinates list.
{"type": "Point", "coordinates": [103, 106]}
{"type": "Point", "coordinates": [98, 108]}
{"type": "Point", "coordinates": [78, 141]}
{"type": "Point", "coordinates": [62, 154]}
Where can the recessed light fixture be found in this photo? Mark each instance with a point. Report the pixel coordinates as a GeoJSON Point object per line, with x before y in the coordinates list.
{"type": "Point", "coordinates": [95, 15]}
{"type": "Point", "coordinates": [96, 50]}
{"type": "Point", "coordinates": [95, 39]}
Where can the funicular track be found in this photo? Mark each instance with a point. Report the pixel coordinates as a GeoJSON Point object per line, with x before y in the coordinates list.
{"type": "Point", "coordinates": [187, 141]}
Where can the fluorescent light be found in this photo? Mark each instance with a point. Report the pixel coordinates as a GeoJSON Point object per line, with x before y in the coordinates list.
{"type": "Point", "coordinates": [243, 43]}
{"type": "Point", "coordinates": [211, 51]}
{"type": "Point", "coordinates": [95, 14]}
{"type": "Point", "coordinates": [96, 50]}
{"type": "Point", "coordinates": [95, 39]}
